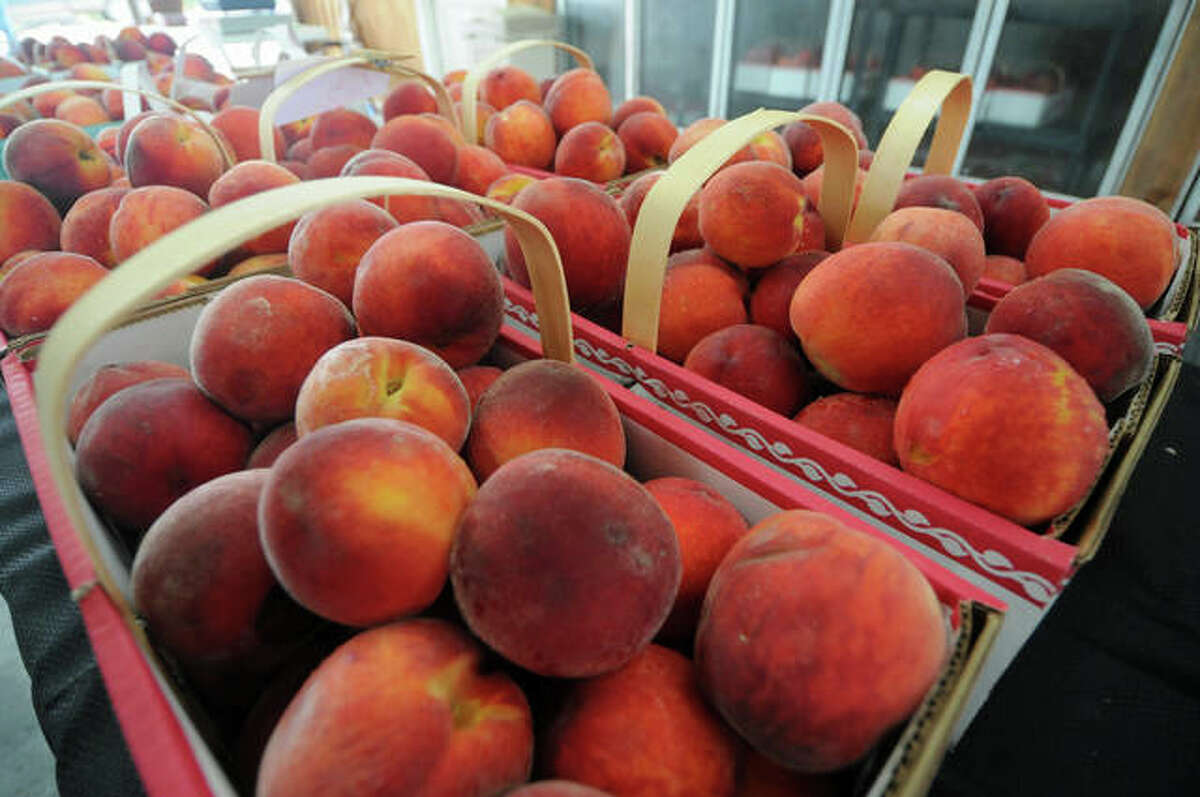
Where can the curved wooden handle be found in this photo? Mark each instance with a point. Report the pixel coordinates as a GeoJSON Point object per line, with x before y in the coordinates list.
{"type": "Point", "coordinates": [470, 91]}
{"type": "Point", "coordinates": [665, 201]}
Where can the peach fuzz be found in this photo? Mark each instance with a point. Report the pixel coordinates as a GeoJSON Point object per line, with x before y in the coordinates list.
{"type": "Point", "coordinates": [27, 220]}
{"type": "Point", "coordinates": [431, 284]}
{"type": "Point", "coordinates": [385, 163]}
{"type": "Point", "coordinates": [700, 295]}
{"type": "Point", "coordinates": [146, 214]}
{"type": "Point", "coordinates": [82, 111]}
{"type": "Point", "coordinates": [373, 377]}
{"type": "Point", "coordinates": [40, 289]}
{"type": "Point", "coordinates": [787, 616]}
{"type": "Point", "coordinates": [522, 134]}
{"type": "Point", "coordinates": [476, 379]}
{"type": "Point", "coordinates": [357, 518]}
{"type": "Point", "coordinates": [342, 126]}
{"type": "Point", "coordinates": [248, 178]}
{"type": "Point", "coordinates": [1013, 211]}
{"type": "Point", "coordinates": [275, 442]}
{"type": "Point", "coordinates": [504, 85]}
{"type": "Point", "coordinates": [239, 124]}
{"type": "Point", "coordinates": [1129, 241]}
{"type": "Point", "coordinates": [445, 725]}
{"type": "Point", "coordinates": [1004, 268]}
{"type": "Point", "coordinates": [167, 150]}
{"type": "Point", "coordinates": [506, 188]}
{"type": "Point", "coordinates": [577, 96]}
{"type": "Point", "coordinates": [755, 362]}
{"type": "Point", "coordinates": [564, 605]}
{"type": "Point", "coordinates": [1085, 319]}
{"type": "Point", "coordinates": [752, 213]}
{"type": "Point", "coordinates": [647, 137]}
{"type": "Point", "coordinates": [634, 105]}
{"type": "Point", "coordinates": [543, 404]}
{"type": "Point", "coordinates": [329, 161]}
{"type": "Point", "coordinates": [706, 526]}
{"type": "Point", "coordinates": [590, 151]}
{"type": "Point", "coordinates": [945, 233]}
{"type": "Point", "coordinates": [57, 158]}
{"type": "Point", "coordinates": [411, 96]}
{"type": "Point", "coordinates": [591, 233]}
{"type": "Point", "coordinates": [327, 244]}
{"type": "Point", "coordinates": [257, 263]}
{"type": "Point", "coordinates": [1032, 443]}
{"type": "Point", "coordinates": [255, 343]}
{"type": "Point", "coordinates": [644, 730]}
{"type": "Point", "coordinates": [556, 788]}
{"type": "Point", "coordinates": [687, 229]}
{"type": "Point", "coordinates": [862, 422]}
{"type": "Point", "coordinates": [151, 443]}
{"type": "Point", "coordinates": [869, 316]}
{"type": "Point", "coordinates": [107, 380]}
{"type": "Point", "coordinates": [772, 296]}
{"type": "Point", "coordinates": [940, 191]}
{"type": "Point", "coordinates": [427, 140]}
{"type": "Point", "coordinates": [478, 168]}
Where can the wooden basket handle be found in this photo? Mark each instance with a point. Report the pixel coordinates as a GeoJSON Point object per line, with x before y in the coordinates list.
{"type": "Point", "coordinates": [666, 200]}
{"type": "Point", "coordinates": [470, 90]}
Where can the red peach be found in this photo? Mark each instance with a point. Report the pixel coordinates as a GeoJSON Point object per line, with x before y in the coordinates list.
{"type": "Point", "coordinates": [161, 42]}
{"type": "Point", "coordinates": [300, 150]}
{"type": "Point", "coordinates": [476, 379]}
{"type": "Point", "coordinates": [329, 161]}
{"type": "Point", "coordinates": [342, 126]}
{"type": "Point", "coordinates": [862, 422]}
{"type": "Point", "coordinates": [327, 244]}
{"type": "Point", "coordinates": [296, 130]}
{"type": "Point", "coordinates": [298, 168]}
{"type": "Point", "coordinates": [85, 227]}
{"type": "Point", "coordinates": [166, 150]}
{"type": "Point", "coordinates": [634, 105]}
{"type": "Point", "coordinates": [411, 96]}
{"type": "Point", "coordinates": [483, 112]}
{"type": "Point", "coordinates": [504, 85]}
{"type": "Point", "coordinates": [392, 164]}
{"type": "Point", "coordinates": [647, 138]}
{"type": "Point", "coordinates": [772, 296]}
{"type": "Point", "coordinates": [1013, 211]}
{"type": "Point", "coordinates": [698, 130]}
{"type": "Point", "coordinates": [752, 213]}
{"type": "Point", "coordinates": [27, 220]}
{"type": "Point", "coordinates": [478, 168]}
{"type": "Point", "coordinates": [57, 158]}
{"type": "Point", "coordinates": [762, 777]}
{"type": "Point", "coordinates": [700, 295]}
{"type": "Point", "coordinates": [239, 123]}
{"type": "Point", "coordinates": [754, 361]}
{"type": "Point", "coordinates": [425, 138]}
{"type": "Point", "coordinates": [840, 114]}
{"type": "Point", "coordinates": [47, 102]}
{"type": "Point", "coordinates": [248, 178]}
{"type": "Point", "coordinates": [577, 96]}
{"type": "Point", "coordinates": [124, 131]}
{"type": "Point", "coordinates": [257, 263]}
{"type": "Point", "coordinates": [1004, 268]}
{"type": "Point", "coordinates": [804, 144]}
{"type": "Point", "coordinates": [590, 151]}
{"type": "Point", "coordinates": [41, 288]}
{"type": "Point", "coordinates": [522, 134]}
{"type": "Point", "coordinates": [276, 441]}
{"type": "Point", "coordinates": [507, 187]}
{"type": "Point", "coordinates": [940, 191]}
{"type": "Point", "coordinates": [82, 111]}
{"type": "Point", "coordinates": [687, 229]}
{"type": "Point", "coordinates": [146, 214]}
{"type": "Point", "coordinates": [946, 233]}
{"type": "Point", "coordinates": [106, 140]}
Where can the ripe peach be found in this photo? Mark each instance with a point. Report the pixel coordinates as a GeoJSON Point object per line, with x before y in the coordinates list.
{"type": "Point", "coordinates": [275, 442]}
{"type": "Point", "coordinates": [564, 605]}
{"type": "Point", "coordinates": [476, 379]}
{"type": "Point", "coordinates": [442, 725]}
{"type": "Point", "coordinates": [504, 85]}
{"type": "Point", "coordinates": [644, 731]}
{"type": "Point", "coordinates": [329, 161]}
{"type": "Point", "coordinates": [20, 257]}
{"type": "Point", "coordinates": [870, 315]}
{"type": "Point", "coordinates": [1004, 268]}
{"type": "Point", "coordinates": [296, 130]}
{"type": "Point", "coordinates": [1129, 241]}
{"type": "Point", "coordinates": [483, 112]}
{"type": "Point", "coordinates": [167, 150]}
{"type": "Point", "coordinates": [804, 144]}
{"type": "Point", "coordinates": [522, 134]}
{"type": "Point", "coordinates": [298, 168]}
{"type": "Point", "coordinates": [556, 788]}
{"type": "Point", "coordinates": [816, 178]}
{"type": "Point", "coordinates": [57, 158]}
{"type": "Point", "coordinates": [772, 296]}
{"type": "Point", "coordinates": [161, 42]}
{"type": "Point", "coordinates": [591, 233]}
{"type": "Point", "coordinates": [762, 777]}
{"type": "Point", "coordinates": [478, 168]}
{"type": "Point", "coordinates": [239, 123]}
{"type": "Point", "coordinates": [82, 111]}
{"type": "Point", "coordinates": [47, 102]}
{"type": "Point", "coordinates": [411, 96]}
{"type": "Point", "coordinates": [1088, 321]}
{"type": "Point", "coordinates": [107, 380]}
{"type": "Point", "coordinates": [687, 229]}
{"type": "Point", "coordinates": [862, 422]}
{"type": "Point", "coordinates": [770, 146]}
{"type": "Point", "coordinates": [1013, 211]}
{"type": "Point", "coordinates": [146, 214]}
{"type": "Point", "coordinates": [256, 342]}
{"type": "Point", "coordinates": [506, 188]}
{"type": "Point", "coordinates": [342, 126]}
{"type": "Point", "coordinates": [700, 295]}
{"type": "Point", "coordinates": [942, 232]}
{"type": "Point", "coordinates": [384, 378]}
{"type": "Point", "coordinates": [841, 114]}
{"type": "Point", "coordinates": [327, 244]}
{"type": "Point", "coordinates": [27, 220]}
{"type": "Point", "coordinates": [300, 150]}
{"type": "Point", "coordinates": [424, 138]}
{"type": "Point", "coordinates": [698, 130]}
{"type": "Point", "coordinates": [245, 179]}
{"type": "Point", "coordinates": [432, 284]}
{"type": "Point", "coordinates": [106, 140]}
{"type": "Point", "coordinates": [752, 213]}
{"type": "Point", "coordinates": [124, 131]}
{"type": "Point", "coordinates": [940, 191]}
{"type": "Point", "coordinates": [257, 263]}
{"type": "Point", "coordinates": [383, 162]}
{"type": "Point", "coordinates": [647, 137]}
{"type": "Point", "coordinates": [149, 444]}
{"type": "Point", "coordinates": [635, 105]}
{"type": "Point", "coordinates": [577, 96]}
{"type": "Point", "coordinates": [754, 361]}
{"type": "Point", "coordinates": [590, 151]}
{"type": "Point", "coordinates": [198, 67]}
{"type": "Point", "coordinates": [543, 404]}
{"type": "Point", "coordinates": [41, 288]}
{"type": "Point", "coordinates": [789, 612]}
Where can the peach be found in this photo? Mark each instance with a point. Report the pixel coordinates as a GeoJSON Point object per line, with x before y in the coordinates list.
{"type": "Point", "coordinates": [27, 220]}
{"type": "Point", "coordinates": [762, 777]}
{"type": "Point", "coordinates": [862, 422]}
{"type": "Point", "coordinates": [275, 442]}
{"type": "Point", "coordinates": [752, 213]}
{"type": "Point", "coordinates": [647, 137]}
{"type": "Point", "coordinates": [869, 316]}
{"type": "Point", "coordinates": [506, 188]}
{"type": "Point", "coordinates": [425, 139]}
{"type": "Point", "coordinates": [198, 67]}
{"type": "Point", "coordinates": [478, 168]}
{"type": "Point", "coordinates": [8, 123]}
{"type": "Point", "coordinates": [698, 130]}
{"type": "Point", "coordinates": [298, 168]}
{"type": "Point", "coordinates": [300, 150]}
{"type": "Point", "coordinates": [357, 518]}
{"type": "Point", "coordinates": [635, 105]}
{"type": "Point", "coordinates": [255, 343]}
{"type": "Point", "coordinates": [124, 131]}
{"type": "Point", "coordinates": [146, 214]}
{"type": "Point", "coordinates": [41, 288]}
{"type": "Point", "coordinates": [687, 229]}
{"type": "Point", "coordinates": [151, 443]}
{"type": "Point", "coordinates": [564, 605]}
{"type": "Point", "coordinates": [522, 134]}
{"type": "Point", "coordinates": [789, 614]}
{"type": "Point", "coordinates": [239, 123]}
{"type": "Point", "coordinates": [940, 191]}
{"type": "Point", "coordinates": [438, 724]}
{"type": "Point", "coordinates": [411, 96]}
{"type": "Point", "coordinates": [47, 102]}
{"type": "Point", "coordinates": [556, 788]}
{"type": "Point", "coordinates": [591, 233]}
{"type": "Point", "coordinates": [1031, 445]}
{"type": "Point", "coordinates": [1013, 211]}
{"type": "Point", "coordinates": [840, 114]}
{"type": "Point", "coordinates": [373, 377]}
{"type": "Point", "coordinates": [945, 233]}
{"type": "Point", "coordinates": [1004, 268]}
{"type": "Point", "coordinates": [770, 146]}
{"type": "Point", "coordinates": [804, 144]}
{"type": "Point", "coordinates": [754, 361]}
{"type": "Point", "coordinates": [161, 42]}
{"type": "Point", "coordinates": [1129, 241]}
{"type": "Point", "coordinates": [82, 111]}
{"type": "Point", "coordinates": [706, 526]}
{"type": "Point", "coordinates": [85, 227]}
{"type": "Point", "coordinates": [432, 284]}
{"type": "Point", "coordinates": [167, 150]}
{"type": "Point", "coordinates": [57, 158]}
{"type": "Point", "coordinates": [644, 731]}
{"type": "Point", "coordinates": [457, 214]}
{"type": "Point", "coordinates": [700, 295]}
{"type": "Point", "coordinates": [772, 296]}
{"type": "Point", "coordinates": [248, 178]}
{"type": "Point", "coordinates": [130, 50]}
{"type": "Point", "coordinates": [1088, 321]}
{"type": "Point", "coordinates": [329, 161]}
{"type": "Point", "coordinates": [483, 112]}
{"type": "Point", "coordinates": [342, 126]}
{"type": "Point", "coordinates": [107, 380]}
{"type": "Point", "coordinates": [67, 55]}
{"type": "Point", "coordinates": [20, 257]}
{"type": "Point", "coordinates": [392, 164]}
{"type": "Point", "coordinates": [256, 263]}
{"type": "Point", "coordinates": [476, 379]}
{"type": "Point", "coordinates": [543, 404]}
{"type": "Point", "coordinates": [816, 178]}
{"type": "Point", "coordinates": [106, 140]}
{"type": "Point", "coordinates": [577, 96]}
{"type": "Point", "coordinates": [327, 244]}
{"type": "Point", "coordinates": [296, 130]}
{"type": "Point", "coordinates": [504, 85]}
{"type": "Point", "coordinates": [590, 151]}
